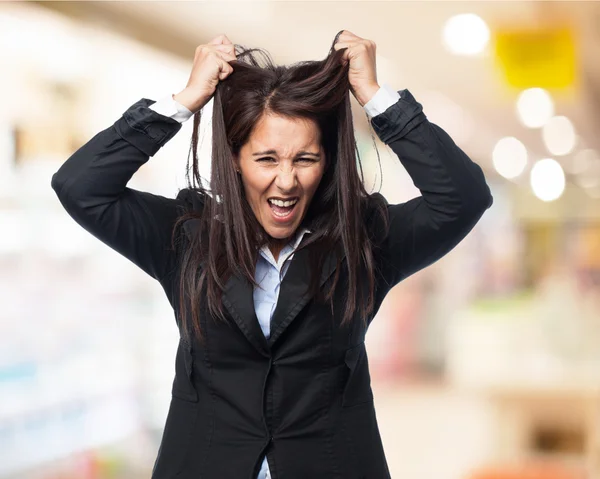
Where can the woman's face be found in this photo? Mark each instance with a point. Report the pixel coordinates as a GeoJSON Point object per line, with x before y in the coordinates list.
{"type": "Point", "coordinates": [282, 161]}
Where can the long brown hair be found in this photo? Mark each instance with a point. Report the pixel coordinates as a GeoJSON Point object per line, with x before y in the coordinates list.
{"type": "Point", "coordinates": [228, 237]}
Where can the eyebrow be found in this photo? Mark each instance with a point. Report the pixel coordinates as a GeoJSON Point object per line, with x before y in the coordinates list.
{"type": "Point", "coordinates": [273, 152]}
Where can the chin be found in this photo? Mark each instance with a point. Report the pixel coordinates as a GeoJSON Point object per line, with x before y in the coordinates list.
{"type": "Point", "coordinates": [279, 232]}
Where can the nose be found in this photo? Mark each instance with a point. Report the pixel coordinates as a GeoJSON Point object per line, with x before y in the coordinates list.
{"type": "Point", "coordinates": [286, 179]}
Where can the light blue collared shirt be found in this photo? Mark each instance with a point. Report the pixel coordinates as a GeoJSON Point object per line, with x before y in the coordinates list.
{"type": "Point", "coordinates": [269, 272]}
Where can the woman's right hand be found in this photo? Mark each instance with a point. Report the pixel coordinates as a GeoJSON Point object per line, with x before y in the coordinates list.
{"type": "Point", "coordinates": [210, 66]}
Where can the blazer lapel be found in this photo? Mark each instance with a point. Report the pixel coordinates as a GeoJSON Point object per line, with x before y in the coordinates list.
{"type": "Point", "coordinates": [238, 298]}
{"type": "Point", "coordinates": [293, 292]}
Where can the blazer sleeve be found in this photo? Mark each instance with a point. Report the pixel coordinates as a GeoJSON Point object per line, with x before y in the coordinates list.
{"type": "Point", "coordinates": [91, 185]}
{"type": "Point", "coordinates": [454, 192]}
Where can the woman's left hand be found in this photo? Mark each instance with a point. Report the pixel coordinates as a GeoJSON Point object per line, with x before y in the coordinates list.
{"type": "Point", "coordinates": [362, 75]}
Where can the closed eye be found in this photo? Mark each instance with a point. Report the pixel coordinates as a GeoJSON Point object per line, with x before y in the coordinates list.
{"type": "Point", "coordinates": [269, 159]}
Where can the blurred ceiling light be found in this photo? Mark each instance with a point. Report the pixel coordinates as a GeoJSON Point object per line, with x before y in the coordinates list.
{"type": "Point", "coordinates": [586, 168]}
{"type": "Point", "coordinates": [465, 34]}
{"type": "Point", "coordinates": [547, 179]}
{"type": "Point", "coordinates": [587, 181]}
{"type": "Point", "coordinates": [535, 107]}
{"type": "Point", "coordinates": [584, 161]}
{"type": "Point", "coordinates": [509, 157]}
{"type": "Point", "coordinates": [559, 135]}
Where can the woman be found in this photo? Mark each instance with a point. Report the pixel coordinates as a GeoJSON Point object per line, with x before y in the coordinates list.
{"type": "Point", "coordinates": [272, 376]}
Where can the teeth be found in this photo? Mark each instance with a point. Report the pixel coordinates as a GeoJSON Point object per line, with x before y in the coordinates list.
{"type": "Point", "coordinates": [282, 215]}
{"type": "Point", "coordinates": [283, 203]}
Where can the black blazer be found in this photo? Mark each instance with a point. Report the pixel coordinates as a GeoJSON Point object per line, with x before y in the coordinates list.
{"type": "Point", "coordinates": [303, 396]}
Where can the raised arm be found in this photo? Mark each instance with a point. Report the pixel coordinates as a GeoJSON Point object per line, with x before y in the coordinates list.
{"type": "Point", "coordinates": [454, 192]}
{"type": "Point", "coordinates": [91, 185]}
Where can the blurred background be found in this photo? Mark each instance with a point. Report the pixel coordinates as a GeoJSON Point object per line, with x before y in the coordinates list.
{"type": "Point", "coordinates": [495, 374]}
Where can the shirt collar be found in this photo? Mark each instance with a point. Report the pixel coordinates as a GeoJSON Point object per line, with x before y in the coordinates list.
{"type": "Point", "coordinates": [286, 251]}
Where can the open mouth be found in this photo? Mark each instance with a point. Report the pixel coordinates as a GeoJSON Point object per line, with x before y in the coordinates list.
{"type": "Point", "coordinates": [282, 209]}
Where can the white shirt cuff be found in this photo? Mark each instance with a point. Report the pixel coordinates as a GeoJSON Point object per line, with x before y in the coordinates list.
{"type": "Point", "coordinates": [385, 97]}
{"type": "Point", "coordinates": [167, 106]}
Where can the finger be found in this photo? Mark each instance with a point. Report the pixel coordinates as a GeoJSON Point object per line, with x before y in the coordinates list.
{"type": "Point", "coordinates": [220, 40]}
{"type": "Point", "coordinates": [224, 74]}
{"type": "Point", "coordinates": [346, 34]}
{"type": "Point", "coordinates": [340, 45]}
{"type": "Point", "coordinates": [226, 70]}
{"type": "Point", "coordinates": [351, 45]}
{"type": "Point", "coordinates": [348, 46]}
{"type": "Point", "coordinates": [346, 53]}
{"type": "Point", "coordinates": [224, 64]}
{"type": "Point", "coordinates": [359, 46]}
{"type": "Point", "coordinates": [226, 57]}
{"type": "Point", "coordinates": [230, 48]}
